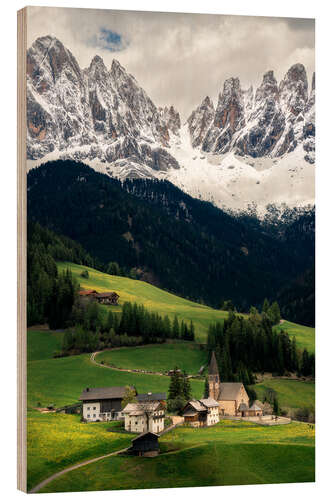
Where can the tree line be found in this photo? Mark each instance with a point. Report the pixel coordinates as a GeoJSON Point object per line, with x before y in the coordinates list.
{"type": "Point", "coordinates": [244, 346]}
{"type": "Point", "coordinates": [92, 329]}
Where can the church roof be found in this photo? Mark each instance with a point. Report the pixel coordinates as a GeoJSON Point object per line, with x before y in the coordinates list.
{"type": "Point", "coordinates": [213, 368]}
{"type": "Point", "coordinates": [229, 391]}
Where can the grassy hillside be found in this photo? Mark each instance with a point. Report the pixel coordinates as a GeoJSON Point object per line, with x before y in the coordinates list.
{"type": "Point", "coordinates": [60, 381]}
{"type": "Point", "coordinates": [305, 335]}
{"type": "Point", "coordinates": [153, 298]}
{"type": "Point", "coordinates": [160, 301]}
{"type": "Point", "coordinates": [56, 441]}
{"type": "Point", "coordinates": [157, 358]}
{"type": "Point", "coordinates": [291, 393]}
{"type": "Point", "coordinates": [42, 344]}
{"type": "Point", "coordinates": [228, 453]}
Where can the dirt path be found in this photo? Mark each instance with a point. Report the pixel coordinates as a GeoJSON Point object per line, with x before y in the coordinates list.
{"type": "Point", "coordinates": [93, 360]}
{"type": "Point", "coordinates": [73, 467]}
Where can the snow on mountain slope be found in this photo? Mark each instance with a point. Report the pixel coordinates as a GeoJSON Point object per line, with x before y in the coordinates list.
{"type": "Point", "coordinates": [257, 147]}
{"type": "Point", "coordinates": [234, 182]}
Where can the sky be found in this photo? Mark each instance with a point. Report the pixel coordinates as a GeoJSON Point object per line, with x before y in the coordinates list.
{"type": "Point", "coordinates": [179, 59]}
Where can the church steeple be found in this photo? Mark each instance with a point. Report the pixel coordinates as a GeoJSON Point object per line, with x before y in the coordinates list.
{"type": "Point", "coordinates": [213, 378]}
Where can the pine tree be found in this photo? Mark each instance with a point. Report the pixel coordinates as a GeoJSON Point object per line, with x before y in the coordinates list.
{"type": "Point", "coordinates": [176, 386]}
{"type": "Point", "coordinates": [265, 306]}
{"type": "Point", "coordinates": [175, 328]}
{"type": "Point", "coordinates": [187, 391]}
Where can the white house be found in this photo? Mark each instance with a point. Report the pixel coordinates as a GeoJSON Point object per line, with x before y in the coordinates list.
{"type": "Point", "coordinates": [102, 403]}
{"type": "Point", "coordinates": [144, 417]}
{"type": "Point", "coordinates": [202, 412]}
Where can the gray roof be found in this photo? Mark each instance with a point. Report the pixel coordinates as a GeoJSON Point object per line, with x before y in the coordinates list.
{"type": "Point", "coordinates": [144, 434]}
{"type": "Point", "coordinates": [255, 407]}
{"type": "Point", "coordinates": [209, 402]}
{"type": "Point", "coordinates": [152, 396]}
{"type": "Point", "coordinates": [197, 405]}
{"type": "Point", "coordinates": [229, 391]}
{"type": "Point", "coordinates": [95, 393]}
{"type": "Point", "coordinates": [213, 368]}
{"type": "Point", "coordinates": [140, 407]}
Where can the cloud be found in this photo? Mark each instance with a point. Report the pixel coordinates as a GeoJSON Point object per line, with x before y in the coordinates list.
{"type": "Point", "coordinates": [180, 58]}
{"type": "Point", "coordinates": [109, 40]}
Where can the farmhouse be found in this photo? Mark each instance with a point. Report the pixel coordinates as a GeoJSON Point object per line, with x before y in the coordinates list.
{"type": "Point", "coordinates": [144, 417]}
{"type": "Point", "coordinates": [108, 298]}
{"type": "Point", "coordinates": [201, 413]}
{"type": "Point", "coordinates": [229, 395]}
{"type": "Point", "coordinates": [145, 445]}
{"type": "Point", "coordinates": [102, 403]}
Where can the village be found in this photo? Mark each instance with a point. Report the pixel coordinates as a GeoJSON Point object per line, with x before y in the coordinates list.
{"type": "Point", "coordinates": [145, 414]}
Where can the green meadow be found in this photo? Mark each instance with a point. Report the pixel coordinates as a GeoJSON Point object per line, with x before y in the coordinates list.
{"type": "Point", "coordinates": [226, 454]}
{"type": "Point", "coordinates": [163, 302]}
{"type": "Point", "coordinates": [305, 335]}
{"type": "Point", "coordinates": [291, 393]}
{"type": "Point", "coordinates": [56, 441]}
{"type": "Point", "coordinates": [153, 298]}
{"type": "Point", "coordinates": [157, 358]}
{"type": "Point", "coordinates": [229, 453]}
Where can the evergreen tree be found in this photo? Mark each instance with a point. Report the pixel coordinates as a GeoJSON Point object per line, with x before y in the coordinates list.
{"type": "Point", "coordinates": [187, 391]}
{"type": "Point", "coordinates": [265, 306]}
{"type": "Point", "coordinates": [175, 328]}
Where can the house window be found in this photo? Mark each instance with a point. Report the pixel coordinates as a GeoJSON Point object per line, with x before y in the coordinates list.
{"type": "Point", "coordinates": [94, 415]}
{"type": "Point", "coordinates": [88, 408]}
{"type": "Point", "coordinates": [94, 408]}
{"type": "Point", "coordinates": [88, 416]}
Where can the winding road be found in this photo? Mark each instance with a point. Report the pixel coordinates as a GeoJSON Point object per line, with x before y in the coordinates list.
{"type": "Point", "coordinates": [93, 360]}
{"type": "Point", "coordinates": [72, 467]}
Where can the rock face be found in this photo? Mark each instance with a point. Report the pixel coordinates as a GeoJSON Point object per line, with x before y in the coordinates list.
{"type": "Point", "coordinates": [273, 121]}
{"type": "Point", "coordinates": [200, 121]}
{"type": "Point", "coordinates": [93, 113]}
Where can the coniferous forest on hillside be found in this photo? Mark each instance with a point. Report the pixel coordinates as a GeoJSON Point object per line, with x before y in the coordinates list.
{"type": "Point", "coordinates": [153, 231]}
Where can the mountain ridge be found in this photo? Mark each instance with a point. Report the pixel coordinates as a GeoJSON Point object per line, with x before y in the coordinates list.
{"type": "Point", "coordinates": [104, 118]}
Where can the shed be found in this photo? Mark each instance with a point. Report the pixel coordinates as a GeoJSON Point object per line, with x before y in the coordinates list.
{"type": "Point", "coordinates": [145, 444]}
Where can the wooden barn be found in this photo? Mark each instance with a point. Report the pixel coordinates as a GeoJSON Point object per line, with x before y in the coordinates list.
{"type": "Point", "coordinates": [145, 445]}
{"type": "Point", "coordinates": [108, 298]}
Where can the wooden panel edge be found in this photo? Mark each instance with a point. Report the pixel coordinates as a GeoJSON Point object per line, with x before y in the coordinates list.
{"type": "Point", "coordinates": [21, 252]}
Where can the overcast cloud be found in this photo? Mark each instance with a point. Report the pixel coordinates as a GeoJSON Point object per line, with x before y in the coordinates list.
{"type": "Point", "coordinates": [180, 58]}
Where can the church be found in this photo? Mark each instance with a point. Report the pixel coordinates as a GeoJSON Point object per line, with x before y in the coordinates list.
{"type": "Point", "coordinates": [231, 396]}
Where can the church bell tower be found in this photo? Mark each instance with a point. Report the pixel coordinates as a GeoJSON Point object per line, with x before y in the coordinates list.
{"type": "Point", "coordinates": [213, 378]}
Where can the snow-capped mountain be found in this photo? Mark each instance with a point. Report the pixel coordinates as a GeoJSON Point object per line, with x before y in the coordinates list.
{"type": "Point", "coordinates": [254, 147]}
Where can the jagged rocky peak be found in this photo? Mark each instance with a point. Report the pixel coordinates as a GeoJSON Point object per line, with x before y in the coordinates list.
{"type": "Point", "coordinates": [268, 88]}
{"type": "Point", "coordinates": [92, 113]}
{"type": "Point", "coordinates": [97, 66]}
{"type": "Point", "coordinates": [48, 53]}
{"type": "Point", "coordinates": [293, 89]}
{"type": "Point", "coordinates": [200, 120]}
{"type": "Point", "coordinates": [230, 106]}
{"type": "Point", "coordinates": [171, 118]}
